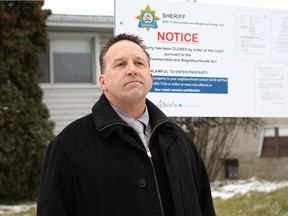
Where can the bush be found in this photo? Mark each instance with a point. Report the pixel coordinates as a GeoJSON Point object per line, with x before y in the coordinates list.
{"type": "Point", "coordinates": [24, 120]}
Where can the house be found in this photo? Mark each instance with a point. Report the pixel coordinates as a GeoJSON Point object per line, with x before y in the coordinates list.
{"type": "Point", "coordinates": [263, 155]}
{"type": "Point", "coordinates": [75, 42]}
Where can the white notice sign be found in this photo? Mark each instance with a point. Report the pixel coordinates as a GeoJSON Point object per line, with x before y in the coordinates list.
{"type": "Point", "coordinates": [212, 61]}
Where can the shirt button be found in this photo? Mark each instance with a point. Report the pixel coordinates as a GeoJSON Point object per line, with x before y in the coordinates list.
{"type": "Point", "coordinates": [141, 183]}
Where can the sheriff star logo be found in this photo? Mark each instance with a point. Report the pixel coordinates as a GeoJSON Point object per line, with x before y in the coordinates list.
{"type": "Point", "coordinates": [147, 19]}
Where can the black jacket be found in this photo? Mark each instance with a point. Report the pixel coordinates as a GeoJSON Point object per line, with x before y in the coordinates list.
{"type": "Point", "coordinates": [98, 166]}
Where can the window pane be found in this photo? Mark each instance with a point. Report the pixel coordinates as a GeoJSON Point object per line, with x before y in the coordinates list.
{"type": "Point", "coordinates": [72, 67]}
{"type": "Point", "coordinates": [283, 131]}
{"type": "Point", "coordinates": [269, 132]}
{"type": "Point", "coordinates": [44, 75]}
{"type": "Point", "coordinates": [72, 61]}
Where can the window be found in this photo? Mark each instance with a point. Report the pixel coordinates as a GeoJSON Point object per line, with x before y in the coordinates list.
{"type": "Point", "coordinates": [232, 168]}
{"type": "Point", "coordinates": [275, 142]}
{"type": "Point", "coordinates": [71, 59]}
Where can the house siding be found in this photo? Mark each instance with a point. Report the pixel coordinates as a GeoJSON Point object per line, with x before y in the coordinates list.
{"type": "Point", "coordinates": [67, 103]}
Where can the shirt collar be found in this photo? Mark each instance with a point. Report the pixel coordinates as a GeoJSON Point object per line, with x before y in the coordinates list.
{"type": "Point", "coordinates": [129, 120]}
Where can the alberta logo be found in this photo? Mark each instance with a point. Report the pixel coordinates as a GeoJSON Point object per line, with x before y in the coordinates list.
{"type": "Point", "coordinates": [147, 19]}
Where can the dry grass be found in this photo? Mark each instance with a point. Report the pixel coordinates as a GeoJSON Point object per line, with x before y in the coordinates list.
{"type": "Point", "coordinates": [255, 204]}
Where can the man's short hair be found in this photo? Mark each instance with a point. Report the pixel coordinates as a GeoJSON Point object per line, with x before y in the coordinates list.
{"type": "Point", "coordinates": [114, 39]}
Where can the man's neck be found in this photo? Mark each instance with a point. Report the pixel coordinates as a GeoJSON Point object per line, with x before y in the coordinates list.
{"type": "Point", "coordinates": [133, 109]}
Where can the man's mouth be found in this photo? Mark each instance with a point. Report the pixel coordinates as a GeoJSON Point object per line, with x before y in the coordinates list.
{"type": "Point", "coordinates": [132, 81]}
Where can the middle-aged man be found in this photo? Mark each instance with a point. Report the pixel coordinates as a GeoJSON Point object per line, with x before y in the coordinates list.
{"type": "Point", "coordinates": [101, 165]}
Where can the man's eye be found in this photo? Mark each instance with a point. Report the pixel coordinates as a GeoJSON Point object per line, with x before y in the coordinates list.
{"type": "Point", "coordinates": [119, 64]}
{"type": "Point", "coordinates": [140, 63]}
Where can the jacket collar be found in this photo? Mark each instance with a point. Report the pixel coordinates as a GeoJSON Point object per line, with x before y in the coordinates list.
{"type": "Point", "coordinates": [104, 115]}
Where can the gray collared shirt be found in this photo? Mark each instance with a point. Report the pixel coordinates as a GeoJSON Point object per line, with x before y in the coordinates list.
{"type": "Point", "coordinates": [129, 120]}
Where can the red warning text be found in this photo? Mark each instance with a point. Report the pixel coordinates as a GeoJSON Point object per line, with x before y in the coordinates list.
{"type": "Point", "coordinates": [177, 37]}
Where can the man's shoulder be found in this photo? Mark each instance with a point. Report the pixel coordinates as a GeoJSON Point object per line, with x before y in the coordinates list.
{"type": "Point", "coordinates": [77, 128]}
{"type": "Point", "coordinates": [80, 123]}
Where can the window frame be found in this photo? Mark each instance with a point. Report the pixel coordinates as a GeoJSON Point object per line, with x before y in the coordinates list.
{"type": "Point", "coordinates": [95, 50]}
{"type": "Point", "coordinates": [277, 137]}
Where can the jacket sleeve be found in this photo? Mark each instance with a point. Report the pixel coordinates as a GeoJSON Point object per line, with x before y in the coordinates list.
{"type": "Point", "coordinates": [55, 195]}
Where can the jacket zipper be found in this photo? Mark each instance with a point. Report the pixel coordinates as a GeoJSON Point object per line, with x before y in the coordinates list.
{"type": "Point", "coordinates": [156, 181]}
{"type": "Point", "coordinates": [154, 173]}
{"type": "Point", "coordinates": [153, 168]}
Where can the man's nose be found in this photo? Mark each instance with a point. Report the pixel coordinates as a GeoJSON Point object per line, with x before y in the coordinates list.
{"type": "Point", "coordinates": [131, 70]}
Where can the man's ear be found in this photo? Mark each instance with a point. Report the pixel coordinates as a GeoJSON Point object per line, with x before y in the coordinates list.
{"type": "Point", "coordinates": [102, 82]}
{"type": "Point", "coordinates": [151, 75]}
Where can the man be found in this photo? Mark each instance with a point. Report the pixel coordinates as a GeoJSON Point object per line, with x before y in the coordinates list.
{"type": "Point", "coordinates": [98, 165]}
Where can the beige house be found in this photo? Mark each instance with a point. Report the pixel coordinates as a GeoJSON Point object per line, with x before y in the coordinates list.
{"type": "Point", "coordinates": [69, 81]}
{"type": "Point", "coordinates": [70, 69]}
{"type": "Point", "coordinates": [264, 155]}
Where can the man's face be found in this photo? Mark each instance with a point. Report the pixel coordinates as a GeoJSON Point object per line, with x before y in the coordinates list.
{"type": "Point", "coordinates": [127, 77]}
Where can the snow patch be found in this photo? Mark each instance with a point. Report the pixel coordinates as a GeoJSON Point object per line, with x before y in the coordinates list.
{"type": "Point", "coordinates": [9, 209]}
{"type": "Point", "coordinates": [228, 189]}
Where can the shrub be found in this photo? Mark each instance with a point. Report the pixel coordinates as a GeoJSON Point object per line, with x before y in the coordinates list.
{"type": "Point", "coordinates": [24, 120]}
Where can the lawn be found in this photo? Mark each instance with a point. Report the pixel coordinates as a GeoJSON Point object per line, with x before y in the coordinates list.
{"type": "Point", "coordinates": [274, 203]}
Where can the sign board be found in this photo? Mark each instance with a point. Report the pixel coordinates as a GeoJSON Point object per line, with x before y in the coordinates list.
{"type": "Point", "coordinates": [212, 60]}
